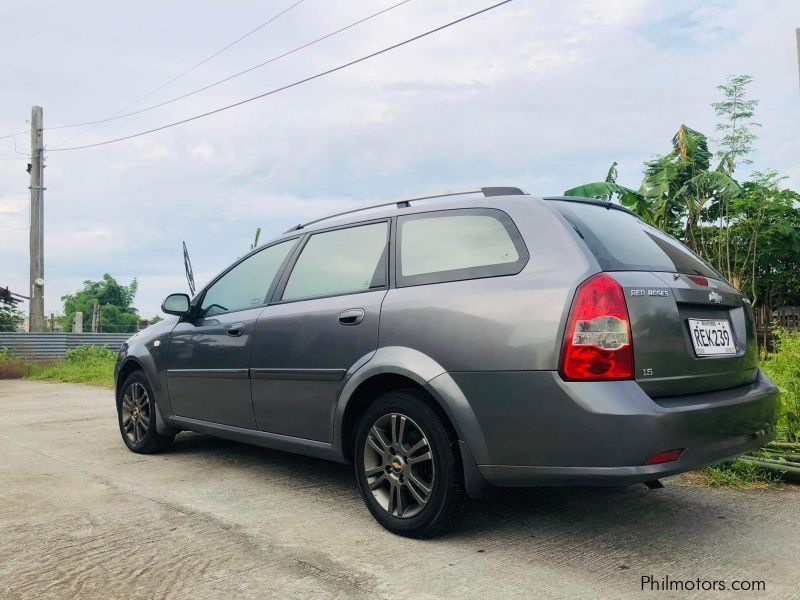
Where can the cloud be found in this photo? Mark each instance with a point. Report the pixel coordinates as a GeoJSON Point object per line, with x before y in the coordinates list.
{"type": "Point", "coordinates": [203, 151]}
{"type": "Point", "coordinates": [544, 95]}
{"type": "Point", "coordinates": [13, 206]}
{"type": "Point", "coordinates": [94, 233]}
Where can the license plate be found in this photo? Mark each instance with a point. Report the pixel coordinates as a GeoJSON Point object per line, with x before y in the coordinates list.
{"type": "Point", "coordinates": [711, 337]}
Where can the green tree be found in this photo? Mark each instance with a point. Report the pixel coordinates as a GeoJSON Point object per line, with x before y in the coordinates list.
{"type": "Point", "coordinates": [765, 243]}
{"type": "Point", "coordinates": [736, 112]}
{"type": "Point", "coordinates": [115, 300]}
{"type": "Point", "coordinates": [10, 315]}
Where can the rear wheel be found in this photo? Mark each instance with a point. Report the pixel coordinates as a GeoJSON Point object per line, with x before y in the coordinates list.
{"type": "Point", "coordinates": [408, 466]}
{"type": "Point", "coordinates": [136, 412]}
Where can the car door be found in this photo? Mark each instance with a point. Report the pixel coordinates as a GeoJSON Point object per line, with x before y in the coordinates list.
{"type": "Point", "coordinates": [209, 354]}
{"type": "Point", "coordinates": [323, 320]}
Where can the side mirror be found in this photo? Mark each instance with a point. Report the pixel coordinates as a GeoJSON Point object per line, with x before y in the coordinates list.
{"type": "Point", "coordinates": [176, 304]}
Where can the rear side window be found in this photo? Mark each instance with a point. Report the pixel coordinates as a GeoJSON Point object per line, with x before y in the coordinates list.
{"type": "Point", "coordinates": [623, 242]}
{"type": "Point", "coordinates": [452, 245]}
{"type": "Point", "coordinates": [341, 261]}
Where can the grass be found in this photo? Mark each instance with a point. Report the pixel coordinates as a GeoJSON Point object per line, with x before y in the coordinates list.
{"type": "Point", "coordinates": [90, 365]}
{"type": "Point", "coordinates": [739, 473]}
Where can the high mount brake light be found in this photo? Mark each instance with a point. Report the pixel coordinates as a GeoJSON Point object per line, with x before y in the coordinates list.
{"type": "Point", "coordinates": [701, 281]}
{"type": "Point", "coordinates": [597, 343]}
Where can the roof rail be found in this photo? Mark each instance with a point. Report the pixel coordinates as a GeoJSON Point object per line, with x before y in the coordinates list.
{"type": "Point", "coordinates": [405, 202]}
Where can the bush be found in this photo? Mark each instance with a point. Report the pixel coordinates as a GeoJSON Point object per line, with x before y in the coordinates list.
{"type": "Point", "coordinates": [93, 365]}
{"type": "Point", "coordinates": [12, 366]}
{"type": "Point", "coordinates": [85, 364]}
{"type": "Point", "coordinates": [783, 367]}
{"type": "Point", "coordinates": [90, 354]}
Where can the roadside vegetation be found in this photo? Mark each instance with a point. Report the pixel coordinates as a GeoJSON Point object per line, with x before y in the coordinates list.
{"type": "Point", "coordinates": [90, 365]}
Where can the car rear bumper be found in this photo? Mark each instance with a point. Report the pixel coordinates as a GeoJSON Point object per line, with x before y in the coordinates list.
{"type": "Point", "coordinates": [540, 430]}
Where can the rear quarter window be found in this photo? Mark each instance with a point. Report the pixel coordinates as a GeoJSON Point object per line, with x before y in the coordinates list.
{"type": "Point", "coordinates": [623, 242]}
{"type": "Point", "coordinates": [454, 245]}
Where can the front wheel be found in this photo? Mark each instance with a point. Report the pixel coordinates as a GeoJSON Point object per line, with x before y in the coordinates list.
{"type": "Point", "coordinates": [408, 466]}
{"type": "Point", "coordinates": [136, 413]}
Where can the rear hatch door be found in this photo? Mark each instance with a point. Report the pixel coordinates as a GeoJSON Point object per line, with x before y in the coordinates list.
{"type": "Point", "coordinates": [688, 336]}
{"type": "Point", "coordinates": [692, 331]}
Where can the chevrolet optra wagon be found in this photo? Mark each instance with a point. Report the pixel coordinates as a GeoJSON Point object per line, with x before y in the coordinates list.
{"type": "Point", "coordinates": [455, 342]}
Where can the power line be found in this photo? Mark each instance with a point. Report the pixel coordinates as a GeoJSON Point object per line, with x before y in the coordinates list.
{"type": "Point", "coordinates": [182, 74]}
{"type": "Point", "coordinates": [11, 135]}
{"type": "Point", "coordinates": [290, 85]}
{"type": "Point", "coordinates": [161, 87]}
{"type": "Point", "coordinates": [14, 139]}
{"type": "Point", "coordinates": [239, 74]}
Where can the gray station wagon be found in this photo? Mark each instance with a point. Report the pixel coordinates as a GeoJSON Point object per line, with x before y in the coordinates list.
{"type": "Point", "coordinates": [451, 343]}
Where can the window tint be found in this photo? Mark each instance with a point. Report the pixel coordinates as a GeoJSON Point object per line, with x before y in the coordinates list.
{"type": "Point", "coordinates": [458, 244]}
{"type": "Point", "coordinates": [623, 242]}
{"type": "Point", "coordinates": [340, 261]}
{"type": "Point", "coordinates": [247, 284]}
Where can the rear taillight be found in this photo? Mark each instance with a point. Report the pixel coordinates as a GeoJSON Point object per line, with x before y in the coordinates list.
{"type": "Point", "coordinates": [597, 341]}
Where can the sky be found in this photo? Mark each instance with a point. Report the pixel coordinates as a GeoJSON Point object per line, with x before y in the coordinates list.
{"type": "Point", "coordinates": [542, 95]}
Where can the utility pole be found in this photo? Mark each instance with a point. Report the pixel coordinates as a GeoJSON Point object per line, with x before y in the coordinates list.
{"type": "Point", "coordinates": [797, 33]}
{"type": "Point", "coordinates": [36, 317]}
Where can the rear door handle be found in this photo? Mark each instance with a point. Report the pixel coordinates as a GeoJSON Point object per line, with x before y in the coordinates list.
{"type": "Point", "coordinates": [236, 329]}
{"type": "Point", "coordinates": [351, 316]}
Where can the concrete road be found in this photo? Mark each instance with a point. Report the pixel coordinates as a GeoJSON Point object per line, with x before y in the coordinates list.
{"type": "Point", "coordinates": [82, 517]}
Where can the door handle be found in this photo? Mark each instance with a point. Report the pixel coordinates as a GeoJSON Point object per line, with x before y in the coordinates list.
{"type": "Point", "coordinates": [351, 316]}
{"type": "Point", "coordinates": [236, 329]}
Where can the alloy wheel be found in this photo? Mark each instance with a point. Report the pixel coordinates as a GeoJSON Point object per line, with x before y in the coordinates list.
{"type": "Point", "coordinates": [135, 412]}
{"type": "Point", "coordinates": [399, 465]}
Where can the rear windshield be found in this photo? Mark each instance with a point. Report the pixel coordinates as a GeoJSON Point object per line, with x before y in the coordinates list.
{"type": "Point", "coordinates": [622, 242]}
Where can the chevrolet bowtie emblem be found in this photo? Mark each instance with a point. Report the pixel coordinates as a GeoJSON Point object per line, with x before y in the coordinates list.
{"type": "Point", "coordinates": [715, 297]}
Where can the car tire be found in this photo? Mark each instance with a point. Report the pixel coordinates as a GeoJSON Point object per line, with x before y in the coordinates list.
{"type": "Point", "coordinates": [136, 415]}
{"type": "Point", "coordinates": [408, 466]}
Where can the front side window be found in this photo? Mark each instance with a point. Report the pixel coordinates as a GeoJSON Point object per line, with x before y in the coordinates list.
{"type": "Point", "coordinates": [246, 285]}
{"type": "Point", "coordinates": [458, 244]}
{"type": "Point", "coordinates": [341, 261]}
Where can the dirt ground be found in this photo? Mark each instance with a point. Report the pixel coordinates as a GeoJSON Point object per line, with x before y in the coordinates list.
{"type": "Point", "coordinates": [82, 517]}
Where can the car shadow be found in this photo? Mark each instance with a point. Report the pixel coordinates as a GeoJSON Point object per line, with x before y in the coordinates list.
{"type": "Point", "coordinates": [630, 523]}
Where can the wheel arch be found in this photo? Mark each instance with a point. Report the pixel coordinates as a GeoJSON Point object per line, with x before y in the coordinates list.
{"type": "Point", "coordinates": [130, 365]}
{"type": "Point", "coordinates": [399, 367]}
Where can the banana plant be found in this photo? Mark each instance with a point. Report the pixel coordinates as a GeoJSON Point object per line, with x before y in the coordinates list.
{"type": "Point", "coordinates": [680, 185]}
{"type": "Point", "coordinates": [609, 189]}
